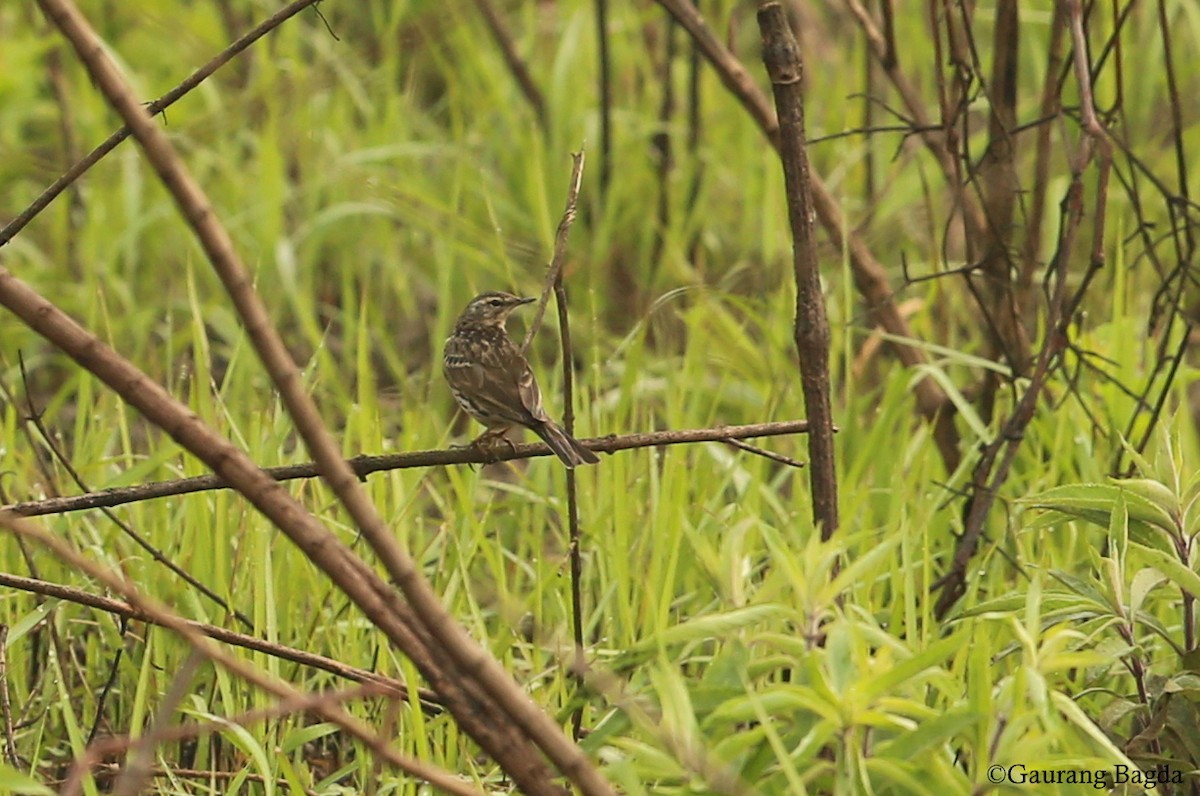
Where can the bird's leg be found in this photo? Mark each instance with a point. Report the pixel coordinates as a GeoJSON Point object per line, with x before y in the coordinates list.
{"type": "Point", "coordinates": [488, 442]}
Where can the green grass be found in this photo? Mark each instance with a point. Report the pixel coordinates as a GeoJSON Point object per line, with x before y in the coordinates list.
{"type": "Point", "coordinates": [373, 184]}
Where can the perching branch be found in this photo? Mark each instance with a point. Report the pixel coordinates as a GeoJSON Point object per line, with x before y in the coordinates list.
{"type": "Point", "coordinates": [366, 465]}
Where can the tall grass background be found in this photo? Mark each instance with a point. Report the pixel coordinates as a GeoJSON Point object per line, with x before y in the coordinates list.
{"type": "Point", "coordinates": [378, 167]}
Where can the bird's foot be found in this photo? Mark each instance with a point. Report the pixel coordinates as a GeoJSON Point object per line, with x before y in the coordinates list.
{"type": "Point", "coordinates": [489, 444]}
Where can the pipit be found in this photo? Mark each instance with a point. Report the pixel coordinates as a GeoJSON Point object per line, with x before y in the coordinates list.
{"type": "Point", "coordinates": [492, 382]}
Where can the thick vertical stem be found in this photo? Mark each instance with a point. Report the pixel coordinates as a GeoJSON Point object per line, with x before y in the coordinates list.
{"type": "Point", "coordinates": [781, 55]}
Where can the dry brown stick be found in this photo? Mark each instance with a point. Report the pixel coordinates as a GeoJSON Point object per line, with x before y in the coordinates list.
{"type": "Point", "coordinates": [870, 277]}
{"type": "Point", "coordinates": [361, 583]}
{"type": "Point", "coordinates": [366, 465]}
{"type": "Point", "coordinates": [275, 650]}
{"type": "Point", "coordinates": [164, 616]}
{"type": "Point", "coordinates": [302, 703]}
{"type": "Point", "coordinates": [781, 56]}
{"type": "Point", "coordinates": [992, 470]}
{"type": "Point", "coordinates": [554, 270]}
{"type": "Point", "coordinates": [779, 458]}
{"type": "Point", "coordinates": [10, 743]}
{"type": "Point", "coordinates": [141, 750]}
{"type": "Point", "coordinates": [34, 418]}
{"type": "Point", "coordinates": [516, 65]}
{"type": "Point", "coordinates": [158, 106]}
{"type": "Point", "coordinates": [452, 659]}
{"type": "Point", "coordinates": [1051, 107]}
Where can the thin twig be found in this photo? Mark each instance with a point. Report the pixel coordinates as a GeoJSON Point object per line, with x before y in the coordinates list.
{"type": "Point", "coordinates": [568, 392]}
{"type": "Point", "coordinates": [34, 417]}
{"type": "Point", "coordinates": [126, 611]}
{"type": "Point", "coordinates": [10, 742]}
{"type": "Point", "coordinates": [114, 669]}
{"type": "Point", "coordinates": [763, 452]}
{"type": "Point", "coordinates": [158, 106]}
{"type": "Point", "coordinates": [516, 64]}
{"type": "Point", "coordinates": [554, 271]}
{"type": "Point", "coordinates": [366, 465]}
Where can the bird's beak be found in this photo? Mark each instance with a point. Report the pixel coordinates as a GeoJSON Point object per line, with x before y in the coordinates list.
{"type": "Point", "coordinates": [528, 300]}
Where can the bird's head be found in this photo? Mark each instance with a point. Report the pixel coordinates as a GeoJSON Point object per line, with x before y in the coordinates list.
{"type": "Point", "coordinates": [491, 308]}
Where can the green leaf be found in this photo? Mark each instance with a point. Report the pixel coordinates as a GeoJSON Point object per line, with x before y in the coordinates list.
{"type": "Point", "coordinates": [934, 732]}
{"type": "Point", "coordinates": [1144, 582]}
{"type": "Point", "coordinates": [714, 626]}
{"type": "Point", "coordinates": [302, 735]}
{"type": "Point", "coordinates": [13, 781]}
{"type": "Point", "coordinates": [1172, 567]}
{"type": "Point", "coordinates": [933, 655]}
{"type": "Point", "coordinates": [1155, 493]}
{"type": "Point", "coordinates": [1095, 503]}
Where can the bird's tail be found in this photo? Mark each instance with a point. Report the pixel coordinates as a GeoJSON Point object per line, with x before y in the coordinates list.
{"type": "Point", "coordinates": [567, 448]}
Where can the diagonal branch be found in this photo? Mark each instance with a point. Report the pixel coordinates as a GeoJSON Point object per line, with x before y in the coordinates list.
{"type": "Point", "coordinates": [466, 676]}
{"type": "Point", "coordinates": [162, 615]}
{"type": "Point", "coordinates": [158, 106]}
{"type": "Point", "coordinates": [125, 610]}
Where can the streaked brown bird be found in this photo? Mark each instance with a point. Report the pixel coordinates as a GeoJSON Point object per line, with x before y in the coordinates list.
{"type": "Point", "coordinates": [492, 382]}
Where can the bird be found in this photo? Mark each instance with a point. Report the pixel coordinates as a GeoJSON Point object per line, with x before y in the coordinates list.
{"type": "Point", "coordinates": [492, 381]}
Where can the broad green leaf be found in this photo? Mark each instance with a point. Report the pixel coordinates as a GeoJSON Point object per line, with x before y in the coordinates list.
{"type": "Point", "coordinates": [1155, 493]}
{"type": "Point", "coordinates": [13, 781]}
{"type": "Point", "coordinates": [933, 655]}
{"type": "Point", "coordinates": [1170, 566]}
{"type": "Point", "coordinates": [1095, 503]}
{"type": "Point", "coordinates": [1144, 582]}
{"type": "Point", "coordinates": [939, 730]}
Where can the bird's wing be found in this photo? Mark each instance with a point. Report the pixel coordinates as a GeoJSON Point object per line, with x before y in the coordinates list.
{"type": "Point", "coordinates": [498, 381]}
{"type": "Point", "coordinates": [531, 396]}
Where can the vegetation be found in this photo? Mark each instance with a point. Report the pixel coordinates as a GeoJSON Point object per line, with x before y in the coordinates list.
{"type": "Point", "coordinates": [378, 164]}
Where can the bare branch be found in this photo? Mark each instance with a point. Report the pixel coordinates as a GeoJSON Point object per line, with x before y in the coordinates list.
{"type": "Point", "coordinates": [870, 277]}
{"type": "Point", "coordinates": [781, 55]}
{"type": "Point", "coordinates": [366, 465]}
{"type": "Point", "coordinates": [125, 610]}
{"type": "Point", "coordinates": [554, 270]}
{"type": "Point", "coordinates": [158, 106]}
